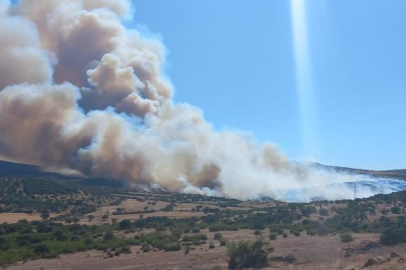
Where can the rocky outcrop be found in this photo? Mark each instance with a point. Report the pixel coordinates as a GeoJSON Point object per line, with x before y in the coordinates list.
{"type": "Point", "coordinates": [373, 261]}
{"type": "Point", "coordinates": [379, 260]}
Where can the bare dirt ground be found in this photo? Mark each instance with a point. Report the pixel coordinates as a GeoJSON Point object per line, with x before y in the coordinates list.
{"type": "Point", "coordinates": [311, 253]}
{"type": "Point", "coordinates": [132, 205]}
{"type": "Point", "coordinates": [15, 217]}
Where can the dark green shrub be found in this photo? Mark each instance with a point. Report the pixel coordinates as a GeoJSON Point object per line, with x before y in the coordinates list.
{"type": "Point", "coordinates": [145, 247]}
{"type": "Point", "coordinates": [125, 224]}
{"type": "Point", "coordinates": [246, 254]}
{"type": "Point", "coordinates": [223, 242]}
{"type": "Point", "coordinates": [217, 236]}
{"type": "Point", "coordinates": [108, 235]}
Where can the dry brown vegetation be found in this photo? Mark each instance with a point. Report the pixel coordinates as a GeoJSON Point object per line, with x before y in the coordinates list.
{"type": "Point", "coordinates": [311, 250]}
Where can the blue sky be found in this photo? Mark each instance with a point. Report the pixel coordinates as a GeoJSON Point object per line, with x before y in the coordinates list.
{"type": "Point", "coordinates": [235, 60]}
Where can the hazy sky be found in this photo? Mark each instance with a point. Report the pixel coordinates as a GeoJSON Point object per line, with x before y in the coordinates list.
{"type": "Point", "coordinates": [235, 60]}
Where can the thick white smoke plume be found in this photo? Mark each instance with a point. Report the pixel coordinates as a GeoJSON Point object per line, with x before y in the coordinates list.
{"type": "Point", "coordinates": [80, 91]}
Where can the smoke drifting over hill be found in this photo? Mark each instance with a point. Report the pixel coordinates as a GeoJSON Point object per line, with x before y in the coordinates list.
{"type": "Point", "coordinates": [80, 91]}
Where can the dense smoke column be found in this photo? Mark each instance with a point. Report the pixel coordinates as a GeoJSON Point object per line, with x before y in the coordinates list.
{"type": "Point", "coordinates": [79, 91]}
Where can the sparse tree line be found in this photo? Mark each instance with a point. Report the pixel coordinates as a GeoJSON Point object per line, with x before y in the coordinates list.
{"type": "Point", "coordinates": [49, 238]}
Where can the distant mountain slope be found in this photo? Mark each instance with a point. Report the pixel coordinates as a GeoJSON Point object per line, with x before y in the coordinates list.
{"type": "Point", "coordinates": [18, 169]}
{"type": "Point", "coordinates": [402, 172]}
{"type": "Point", "coordinates": [10, 168]}
{"type": "Point", "coordinates": [33, 172]}
{"type": "Point", "coordinates": [397, 174]}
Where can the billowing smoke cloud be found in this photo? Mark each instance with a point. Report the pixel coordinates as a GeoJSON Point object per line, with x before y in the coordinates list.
{"type": "Point", "coordinates": [80, 91]}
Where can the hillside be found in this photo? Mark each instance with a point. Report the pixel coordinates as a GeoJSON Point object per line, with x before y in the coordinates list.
{"type": "Point", "coordinates": [10, 168]}
{"type": "Point", "coordinates": [69, 226]}
{"type": "Point", "coordinates": [396, 174]}
{"type": "Point", "coordinates": [53, 222]}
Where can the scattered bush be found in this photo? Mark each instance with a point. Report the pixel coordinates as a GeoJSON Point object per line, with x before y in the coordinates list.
{"type": "Point", "coordinates": [217, 236]}
{"type": "Point", "coordinates": [346, 238]}
{"type": "Point", "coordinates": [246, 254]}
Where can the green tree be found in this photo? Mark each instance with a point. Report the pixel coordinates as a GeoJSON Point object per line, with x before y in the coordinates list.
{"type": "Point", "coordinates": [323, 212]}
{"type": "Point", "coordinates": [395, 210]}
{"type": "Point", "coordinates": [217, 236]}
{"type": "Point", "coordinates": [347, 238]}
{"type": "Point", "coordinates": [125, 224]}
{"type": "Point", "coordinates": [75, 220]}
{"type": "Point", "coordinates": [45, 215]}
{"type": "Point", "coordinates": [391, 236]}
{"type": "Point", "coordinates": [108, 235]}
{"type": "Point", "coordinates": [41, 249]}
{"type": "Point", "coordinates": [245, 254]}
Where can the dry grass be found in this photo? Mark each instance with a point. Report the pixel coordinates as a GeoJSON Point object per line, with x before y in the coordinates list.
{"type": "Point", "coordinates": [311, 252]}
{"type": "Point", "coordinates": [132, 205]}
{"type": "Point", "coordinates": [15, 217]}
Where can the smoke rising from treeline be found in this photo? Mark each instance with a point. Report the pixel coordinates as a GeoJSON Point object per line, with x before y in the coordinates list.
{"type": "Point", "coordinates": [80, 91]}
